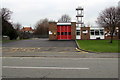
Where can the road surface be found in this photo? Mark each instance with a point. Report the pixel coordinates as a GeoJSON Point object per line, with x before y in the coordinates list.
{"type": "Point", "coordinates": [40, 58]}
{"type": "Point", "coordinates": [47, 67]}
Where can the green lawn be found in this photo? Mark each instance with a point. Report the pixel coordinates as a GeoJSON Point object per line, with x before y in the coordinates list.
{"type": "Point", "coordinates": [99, 45]}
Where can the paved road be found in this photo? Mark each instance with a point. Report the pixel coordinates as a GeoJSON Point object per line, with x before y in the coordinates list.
{"type": "Point", "coordinates": [60, 79]}
{"type": "Point", "coordinates": [37, 67]}
{"type": "Point", "coordinates": [60, 54]}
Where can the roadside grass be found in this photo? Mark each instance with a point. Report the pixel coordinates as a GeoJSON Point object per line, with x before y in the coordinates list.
{"type": "Point", "coordinates": [99, 45]}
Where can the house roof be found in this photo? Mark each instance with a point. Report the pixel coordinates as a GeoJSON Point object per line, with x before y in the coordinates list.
{"type": "Point", "coordinates": [27, 29]}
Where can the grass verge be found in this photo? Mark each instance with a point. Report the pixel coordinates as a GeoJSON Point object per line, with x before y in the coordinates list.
{"type": "Point", "coordinates": [99, 45]}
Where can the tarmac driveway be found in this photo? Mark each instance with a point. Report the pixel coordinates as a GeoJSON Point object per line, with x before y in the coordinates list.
{"type": "Point", "coordinates": [40, 43]}
{"type": "Point", "coordinates": [38, 47]}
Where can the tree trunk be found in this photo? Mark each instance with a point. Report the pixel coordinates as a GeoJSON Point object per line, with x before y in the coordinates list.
{"type": "Point", "coordinates": [111, 41]}
{"type": "Point", "coordinates": [119, 32]}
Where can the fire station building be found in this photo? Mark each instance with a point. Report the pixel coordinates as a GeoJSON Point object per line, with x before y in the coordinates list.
{"type": "Point", "coordinates": [76, 30]}
{"type": "Point", "coordinates": [69, 31]}
{"type": "Point", "coordinates": [62, 31]}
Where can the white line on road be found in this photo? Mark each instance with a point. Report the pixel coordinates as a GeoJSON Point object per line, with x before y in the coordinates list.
{"type": "Point", "coordinates": [54, 58]}
{"type": "Point", "coordinates": [67, 68]}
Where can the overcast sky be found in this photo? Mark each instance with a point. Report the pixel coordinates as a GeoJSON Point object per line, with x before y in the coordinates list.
{"type": "Point", "coordinates": [28, 12]}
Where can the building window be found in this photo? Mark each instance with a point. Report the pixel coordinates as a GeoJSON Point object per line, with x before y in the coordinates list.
{"type": "Point", "coordinates": [69, 33]}
{"type": "Point", "coordinates": [78, 32]}
{"type": "Point", "coordinates": [62, 33]}
{"type": "Point", "coordinates": [101, 32]}
{"type": "Point", "coordinates": [96, 32]}
{"type": "Point", "coordinates": [65, 33]}
{"type": "Point", "coordinates": [92, 32]}
{"type": "Point", "coordinates": [58, 33]}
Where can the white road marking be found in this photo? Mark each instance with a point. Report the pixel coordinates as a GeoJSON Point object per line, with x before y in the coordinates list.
{"type": "Point", "coordinates": [54, 58]}
{"type": "Point", "coordinates": [65, 68]}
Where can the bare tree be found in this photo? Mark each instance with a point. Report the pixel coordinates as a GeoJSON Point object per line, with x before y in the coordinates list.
{"type": "Point", "coordinates": [118, 15]}
{"type": "Point", "coordinates": [109, 18]}
{"type": "Point", "coordinates": [5, 13]}
{"type": "Point", "coordinates": [17, 26]}
{"type": "Point", "coordinates": [42, 28]}
{"type": "Point", "coordinates": [7, 27]}
{"type": "Point", "coordinates": [65, 18]}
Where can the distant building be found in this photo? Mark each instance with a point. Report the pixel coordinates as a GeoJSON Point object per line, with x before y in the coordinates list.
{"type": "Point", "coordinates": [27, 29]}
{"type": "Point", "coordinates": [27, 32]}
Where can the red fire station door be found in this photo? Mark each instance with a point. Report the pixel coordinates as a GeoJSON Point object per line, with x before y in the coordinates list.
{"type": "Point", "coordinates": [64, 32]}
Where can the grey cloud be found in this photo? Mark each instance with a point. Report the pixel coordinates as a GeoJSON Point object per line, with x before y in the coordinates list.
{"type": "Point", "coordinates": [30, 11]}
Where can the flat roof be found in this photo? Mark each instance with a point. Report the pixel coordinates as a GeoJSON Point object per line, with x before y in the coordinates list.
{"type": "Point", "coordinates": [96, 28]}
{"type": "Point", "coordinates": [63, 23]}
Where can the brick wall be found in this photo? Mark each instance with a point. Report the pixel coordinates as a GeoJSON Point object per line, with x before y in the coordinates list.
{"type": "Point", "coordinates": [85, 36]}
{"type": "Point", "coordinates": [53, 30]}
{"type": "Point", "coordinates": [73, 30]}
